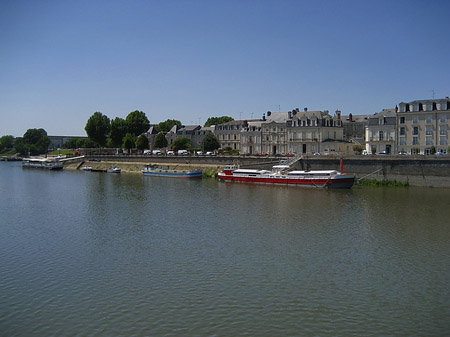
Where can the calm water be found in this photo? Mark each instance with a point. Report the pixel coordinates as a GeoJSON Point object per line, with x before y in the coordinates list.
{"type": "Point", "coordinates": [91, 254]}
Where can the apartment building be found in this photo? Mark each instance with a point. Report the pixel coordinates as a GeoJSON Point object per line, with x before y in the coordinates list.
{"type": "Point", "coordinates": [423, 125]}
{"type": "Point", "coordinates": [381, 131]}
{"type": "Point", "coordinates": [285, 132]}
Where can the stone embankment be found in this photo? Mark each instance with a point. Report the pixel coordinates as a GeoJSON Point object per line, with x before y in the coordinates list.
{"type": "Point", "coordinates": [415, 170]}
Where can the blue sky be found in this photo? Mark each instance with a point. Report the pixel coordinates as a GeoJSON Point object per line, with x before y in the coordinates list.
{"type": "Point", "coordinates": [60, 61]}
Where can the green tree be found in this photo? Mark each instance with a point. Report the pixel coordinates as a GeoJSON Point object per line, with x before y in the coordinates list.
{"type": "Point", "coordinates": [182, 143]}
{"type": "Point", "coordinates": [129, 141]}
{"type": "Point", "coordinates": [160, 141]}
{"type": "Point", "coordinates": [6, 142]}
{"type": "Point", "coordinates": [210, 142]}
{"type": "Point", "coordinates": [34, 141]}
{"type": "Point", "coordinates": [142, 142]}
{"type": "Point", "coordinates": [137, 123]}
{"type": "Point", "coordinates": [218, 120]}
{"type": "Point", "coordinates": [168, 125]}
{"type": "Point", "coordinates": [97, 128]}
{"type": "Point", "coordinates": [118, 131]}
{"type": "Point", "coordinates": [77, 142]}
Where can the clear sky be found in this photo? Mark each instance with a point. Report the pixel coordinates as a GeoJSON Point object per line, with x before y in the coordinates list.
{"type": "Point", "coordinates": [60, 60]}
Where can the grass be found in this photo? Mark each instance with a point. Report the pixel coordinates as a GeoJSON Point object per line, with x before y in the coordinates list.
{"type": "Point", "coordinates": [210, 172]}
{"type": "Point", "coordinates": [385, 182]}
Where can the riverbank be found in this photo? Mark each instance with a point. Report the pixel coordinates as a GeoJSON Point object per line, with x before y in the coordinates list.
{"type": "Point", "coordinates": [420, 171]}
{"type": "Point", "coordinates": [136, 167]}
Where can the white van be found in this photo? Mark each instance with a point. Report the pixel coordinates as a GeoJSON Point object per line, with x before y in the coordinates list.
{"type": "Point", "coordinates": [156, 152]}
{"type": "Point", "coordinates": [183, 152]}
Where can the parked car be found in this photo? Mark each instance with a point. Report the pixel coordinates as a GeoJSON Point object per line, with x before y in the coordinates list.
{"type": "Point", "coordinates": [156, 152]}
{"type": "Point", "coordinates": [210, 153]}
{"type": "Point", "coordinates": [199, 153]}
{"type": "Point", "coordinates": [183, 152]}
{"type": "Point", "coordinates": [170, 153]}
{"type": "Point", "coordinates": [382, 152]}
{"type": "Point", "coordinates": [402, 153]}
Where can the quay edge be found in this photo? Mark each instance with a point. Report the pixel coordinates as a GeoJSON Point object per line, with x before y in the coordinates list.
{"type": "Point", "coordinates": [416, 170]}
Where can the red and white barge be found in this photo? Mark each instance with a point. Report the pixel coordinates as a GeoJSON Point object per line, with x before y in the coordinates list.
{"type": "Point", "coordinates": [281, 174]}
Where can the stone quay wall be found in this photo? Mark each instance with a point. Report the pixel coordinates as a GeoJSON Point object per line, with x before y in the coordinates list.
{"type": "Point", "coordinates": [416, 170]}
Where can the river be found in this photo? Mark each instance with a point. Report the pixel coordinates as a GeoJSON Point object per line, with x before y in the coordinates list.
{"type": "Point", "coordinates": [96, 254]}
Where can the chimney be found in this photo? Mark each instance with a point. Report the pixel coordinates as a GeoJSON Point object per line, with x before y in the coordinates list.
{"type": "Point", "coordinates": [264, 117]}
{"type": "Point", "coordinates": [338, 115]}
{"type": "Point", "coordinates": [350, 117]}
{"type": "Point", "coordinates": [305, 109]}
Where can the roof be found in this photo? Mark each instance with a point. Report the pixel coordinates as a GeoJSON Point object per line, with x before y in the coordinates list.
{"type": "Point", "coordinates": [190, 128]}
{"type": "Point", "coordinates": [390, 112]}
{"type": "Point", "coordinates": [424, 101]}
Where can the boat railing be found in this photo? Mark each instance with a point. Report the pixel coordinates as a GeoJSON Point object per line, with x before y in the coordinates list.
{"type": "Point", "coordinates": [291, 160]}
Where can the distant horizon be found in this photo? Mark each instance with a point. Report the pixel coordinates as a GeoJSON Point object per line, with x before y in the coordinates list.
{"type": "Point", "coordinates": [190, 60]}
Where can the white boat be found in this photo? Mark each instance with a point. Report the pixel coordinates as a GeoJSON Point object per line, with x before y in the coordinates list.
{"type": "Point", "coordinates": [281, 174]}
{"type": "Point", "coordinates": [87, 168]}
{"type": "Point", "coordinates": [114, 170]}
{"type": "Point", "coordinates": [42, 163]}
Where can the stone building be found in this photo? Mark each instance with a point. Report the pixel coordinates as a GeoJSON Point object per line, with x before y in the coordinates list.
{"type": "Point", "coordinates": [380, 132]}
{"type": "Point", "coordinates": [285, 132]}
{"type": "Point", "coordinates": [423, 125]}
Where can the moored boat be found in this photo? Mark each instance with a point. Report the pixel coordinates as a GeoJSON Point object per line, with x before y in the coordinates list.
{"type": "Point", "coordinates": [281, 174]}
{"type": "Point", "coordinates": [114, 169]}
{"type": "Point", "coordinates": [155, 170]}
{"type": "Point", "coordinates": [42, 163]}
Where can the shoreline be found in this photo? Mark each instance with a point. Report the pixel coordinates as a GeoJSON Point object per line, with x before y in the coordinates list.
{"type": "Point", "coordinates": [416, 172]}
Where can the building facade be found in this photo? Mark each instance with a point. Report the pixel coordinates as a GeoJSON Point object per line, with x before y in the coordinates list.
{"type": "Point", "coordinates": [381, 132]}
{"type": "Point", "coordinates": [423, 126]}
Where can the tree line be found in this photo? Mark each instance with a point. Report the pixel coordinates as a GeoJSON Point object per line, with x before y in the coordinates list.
{"type": "Point", "coordinates": [127, 133]}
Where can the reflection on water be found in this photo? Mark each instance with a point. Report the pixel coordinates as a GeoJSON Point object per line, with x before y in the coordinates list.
{"type": "Point", "coordinates": [83, 253]}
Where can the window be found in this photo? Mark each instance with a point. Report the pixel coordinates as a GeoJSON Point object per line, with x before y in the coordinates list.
{"type": "Point", "coordinates": [429, 130]}
{"type": "Point", "coordinates": [402, 131]}
{"type": "Point", "coordinates": [415, 119]}
{"type": "Point", "coordinates": [429, 106]}
{"type": "Point", "coordinates": [429, 119]}
{"type": "Point", "coordinates": [443, 119]}
{"type": "Point", "coordinates": [415, 140]}
{"type": "Point", "coordinates": [443, 140]}
{"type": "Point", "coordinates": [402, 141]}
{"type": "Point", "coordinates": [415, 107]}
{"type": "Point", "coordinates": [402, 120]}
{"type": "Point", "coordinates": [443, 130]}
{"type": "Point", "coordinates": [380, 135]}
{"type": "Point", "coordinates": [415, 130]}
{"type": "Point", "coordinates": [444, 106]}
{"type": "Point", "coordinates": [429, 140]}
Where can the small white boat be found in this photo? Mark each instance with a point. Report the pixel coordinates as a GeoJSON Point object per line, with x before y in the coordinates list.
{"type": "Point", "coordinates": [114, 170]}
{"type": "Point", "coordinates": [87, 168]}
